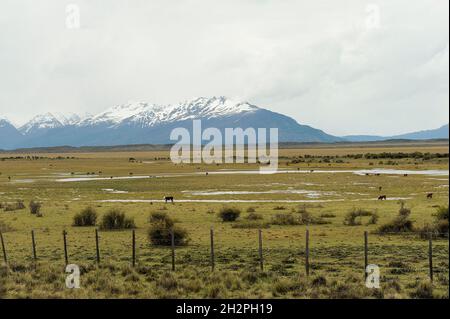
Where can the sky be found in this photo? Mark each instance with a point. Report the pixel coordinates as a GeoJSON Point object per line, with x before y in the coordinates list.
{"type": "Point", "coordinates": [346, 67]}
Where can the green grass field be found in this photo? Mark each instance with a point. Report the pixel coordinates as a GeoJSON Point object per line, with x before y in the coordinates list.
{"type": "Point", "coordinates": [336, 250]}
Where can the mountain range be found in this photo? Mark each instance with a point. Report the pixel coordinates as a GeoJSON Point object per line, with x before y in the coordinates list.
{"type": "Point", "coordinates": [145, 123]}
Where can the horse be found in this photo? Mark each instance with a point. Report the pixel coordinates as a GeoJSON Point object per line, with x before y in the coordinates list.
{"type": "Point", "coordinates": [430, 196]}
{"type": "Point", "coordinates": [168, 198]}
{"type": "Point", "coordinates": [381, 197]}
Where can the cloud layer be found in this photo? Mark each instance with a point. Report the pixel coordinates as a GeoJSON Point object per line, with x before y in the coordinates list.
{"type": "Point", "coordinates": [347, 67]}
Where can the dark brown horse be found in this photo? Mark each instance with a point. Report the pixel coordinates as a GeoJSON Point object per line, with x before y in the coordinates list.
{"type": "Point", "coordinates": [430, 196]}
{"type": "Point", "coordinates": [381, 197]}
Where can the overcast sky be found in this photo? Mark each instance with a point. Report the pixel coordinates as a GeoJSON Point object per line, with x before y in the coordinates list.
{"type": "Point", "coordinates": [347, 67]}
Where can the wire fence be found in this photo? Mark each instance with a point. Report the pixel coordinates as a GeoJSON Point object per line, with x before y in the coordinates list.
{"type": "Point", "coordinates": [405, 254]}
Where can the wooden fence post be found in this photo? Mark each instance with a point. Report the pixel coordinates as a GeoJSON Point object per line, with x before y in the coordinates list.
{"type": "Point", "coordinates": [307, 253]}
{"type": "Point", "coordinates": [212, 249]}
{"type": "Point", "coordinates": [430, 255]}
{"type": "Point", "coordinates": [33, 245]}
{"type": "Point", "coordinates": [133, 247]}
{"type": "Point", "coordinates": [172, 235]}
{"type": "Point", "coordinates": [5, 259]}
{"type": "Point", "coordinates": [366, 253]}
{"type": "Point", "coordinates": [261, 260]}
{"type": "Point", "coordinates": [66, 257]}
{"type": "Point", "coordinates": [97, 246]}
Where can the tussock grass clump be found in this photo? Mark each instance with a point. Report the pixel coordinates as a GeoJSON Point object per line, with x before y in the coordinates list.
{"type": "Point", "coordinates": [116, 219]}
{"type": "Point", "coordinates": [400, 224]}
{"type": "Point", "coordinates": [87, 217]}
{"type": "Point", "coordinates": [353, 217]}
{"type": "Point", "coordinates": [279, 208]}
{"type": "Point", "coordinates": [229, 214]}
{"type": "Point", "coordinates": [424, 290]}
{"type": "Point", "coordinates": [160, 231]}
{"type": "Point", "coordinates": [251, 210]}
{"type": "Point", "coordinates": [35, 207]}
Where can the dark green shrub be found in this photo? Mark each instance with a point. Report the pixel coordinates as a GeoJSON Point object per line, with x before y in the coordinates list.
{"type": "Point", "coordinates": [87, 217]}
{"type": "Point", "coordinates": [35, 207]}
{"type": "Point", "coordinates": [254, 216]}
{"type": "Point", "coordinates": [160, 235]}
{"type": "Point", "coordinates": [229, 214]}
{"type": "Point", "coordinates": [400, 224]}
{"type": "Point", "coordinates": [115, 219]}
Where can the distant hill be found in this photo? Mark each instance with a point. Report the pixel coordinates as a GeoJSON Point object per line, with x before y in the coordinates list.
{"type": "Point", "coordinates": [439, 133]}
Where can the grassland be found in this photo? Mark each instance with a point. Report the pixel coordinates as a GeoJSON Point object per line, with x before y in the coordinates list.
{"type": "Point", "coordinates": [337, 260]}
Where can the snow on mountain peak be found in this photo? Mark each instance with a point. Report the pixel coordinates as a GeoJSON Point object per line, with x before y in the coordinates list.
{"type": "Point", "coordinates": [41, 121]}
{"type": "Point", "coordinates": [144, 114]}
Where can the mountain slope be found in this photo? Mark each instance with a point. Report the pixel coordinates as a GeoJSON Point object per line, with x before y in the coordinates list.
{"type": "Point", "coordinates": [144, 123]}
{"type": "Point", "coordinates": [441, 132]}
{"type": "Point", "coordinates": [9, 135]}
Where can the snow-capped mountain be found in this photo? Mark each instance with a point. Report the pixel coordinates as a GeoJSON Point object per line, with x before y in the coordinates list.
{"type": "Point", "coordinates": [40, 123]}
{"type": "Point", "coordinates": [146, 123]}
{"type": "Point", "coordinates": [143, 114]}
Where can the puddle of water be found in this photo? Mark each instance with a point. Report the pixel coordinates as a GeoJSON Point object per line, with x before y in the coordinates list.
{"type": "Point", "coordinates": [218, 201]}
{"type": "Point", "coordinates": [308, 193]}
{"type": "Point", "coordinates": [252, 172]}
{"type": "Point", "coordinates": [113, 191]}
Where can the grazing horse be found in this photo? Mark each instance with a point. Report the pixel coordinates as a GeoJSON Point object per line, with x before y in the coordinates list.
{"type": "Point", "coordinates": [405, 175]}
{"type": "Point", "coordinates": [381, 197]}
{"type": "Point", "coordinates": [380, 188]}
{"type": "Point", "coordinates": [168, 199]}
{"type": "Point", "coordinates": [430, 196]}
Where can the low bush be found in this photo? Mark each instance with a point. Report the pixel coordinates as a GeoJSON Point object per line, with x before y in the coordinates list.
{"type": "Point", "coordinates": [87, 217]}
{"type": "Point", "coordinates": [35, 207]}
{"type": "Point", "coordinates": [399, 224]}
{"type": "Point", "coordinates": [116, 219]}
{"type": "Point", "coordinates": [160, 231]}
{"type": "Point", "coordinates": [353, 217]}
{"type": "Point", "coordinates": [229, 214]}
{"type": "Point", "coordinates": [440, 227]}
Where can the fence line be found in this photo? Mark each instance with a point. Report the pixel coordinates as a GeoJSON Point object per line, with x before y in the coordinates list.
{"type": "Point", "coordinates": [212, 250]}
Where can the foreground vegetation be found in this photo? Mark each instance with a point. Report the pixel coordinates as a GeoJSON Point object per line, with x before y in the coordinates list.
{"type": "Point", "coordinates": [337, 208]}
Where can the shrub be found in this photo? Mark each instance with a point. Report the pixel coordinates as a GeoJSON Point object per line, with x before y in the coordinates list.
{"type": "Point", "coordinates": [160, 230]}
{"type": "Point", "coordinates": [279, 208]}
{"type": "Point", "coordinates": [87, 217]}
{"type": "Point", "coordinates": [116, 219]}
{"type": "Point", "coordinates": [160, 235]}
{"type": "Point", "coordinates": [229, 214]}
{"type": "Point", "coordinates": [251, 210]}
{"type": "Point", "coordinates": [400, 224]}
{"type": "Point", "coordinates": [353, 217]}
{"type": "Point", "coordinates": [35, 207]}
